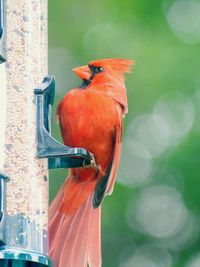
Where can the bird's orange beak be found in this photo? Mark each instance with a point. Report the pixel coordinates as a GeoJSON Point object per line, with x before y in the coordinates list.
{"type": "Point", "coordinates": [83, 72]}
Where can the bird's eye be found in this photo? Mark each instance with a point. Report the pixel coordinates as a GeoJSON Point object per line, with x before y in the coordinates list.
{"type": "Point", "coordinates": [98, 69]}
{"type": "Point", "coordinates": [95, 69]}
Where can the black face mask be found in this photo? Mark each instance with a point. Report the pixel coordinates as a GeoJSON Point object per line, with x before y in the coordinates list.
{"type": "Point", "coordinates": [85, 83]}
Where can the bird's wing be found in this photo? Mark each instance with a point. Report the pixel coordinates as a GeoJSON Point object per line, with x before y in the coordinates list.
{"type": "Point", "coordinates": [106, 183]}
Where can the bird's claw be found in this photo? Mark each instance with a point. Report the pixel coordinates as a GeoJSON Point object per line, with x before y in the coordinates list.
{"type": "Point", "coordinates": [91, 164]}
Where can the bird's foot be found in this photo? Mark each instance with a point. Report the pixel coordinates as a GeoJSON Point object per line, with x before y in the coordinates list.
{"type": "Point", "coordinates": [91, 164]}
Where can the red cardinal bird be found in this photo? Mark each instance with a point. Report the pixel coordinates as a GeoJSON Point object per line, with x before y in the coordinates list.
{"type": "Point", "coordinates": [90, 116]}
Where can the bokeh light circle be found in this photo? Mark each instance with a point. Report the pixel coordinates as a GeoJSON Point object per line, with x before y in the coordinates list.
{"type": "Point", "coordinates": [184, 20]}
{"type": "Point", "coordinates": [133, 170]}
{"type": "Point", "coordinates": [194, 261]}
{"type": "Point", "coordinates": [161, 211]}
{"type": "Point", "coordinates": [148, 135]}
{"type": "Point", "coordinates": [61, 68]}
{"type": "Point", "coordinates": [177, 111]}
{"type": "Point", "coordinates": [101, 39]}
{"type": "Point", "coordinates": [148, 256]}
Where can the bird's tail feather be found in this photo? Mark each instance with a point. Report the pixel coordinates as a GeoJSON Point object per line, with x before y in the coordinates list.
{"type": "Point", "coordinates": [75, 239]}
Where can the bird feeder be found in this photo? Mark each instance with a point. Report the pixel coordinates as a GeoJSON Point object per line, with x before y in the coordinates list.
{"type": "Point", "coordinates": [27, 149]}
{"type": "Point", "coordinates": [24, 178]}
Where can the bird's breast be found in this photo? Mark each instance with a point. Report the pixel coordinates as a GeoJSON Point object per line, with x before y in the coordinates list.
{"type": "Point", "coordinates": [88, 119]}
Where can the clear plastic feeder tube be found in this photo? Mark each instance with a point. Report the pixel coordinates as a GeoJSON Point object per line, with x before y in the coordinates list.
{"type": "Point", "coordinates": [25, 219]}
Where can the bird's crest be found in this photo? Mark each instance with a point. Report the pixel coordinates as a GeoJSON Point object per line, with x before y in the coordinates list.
{"type": "Point", "coordinates": [119, 65]}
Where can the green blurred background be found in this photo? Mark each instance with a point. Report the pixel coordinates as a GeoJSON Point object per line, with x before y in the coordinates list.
{"type": "Point", "coordinates": [153, 217]}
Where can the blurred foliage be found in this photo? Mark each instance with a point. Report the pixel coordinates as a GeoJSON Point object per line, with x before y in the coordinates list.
{"type": "Point", "coordinates": [152, 219]}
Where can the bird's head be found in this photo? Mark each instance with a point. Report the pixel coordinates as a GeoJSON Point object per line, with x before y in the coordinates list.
{"type": "Point", "coordinates": [106, 75]}
{"type": "Point", "coordinates": [103, 70]}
